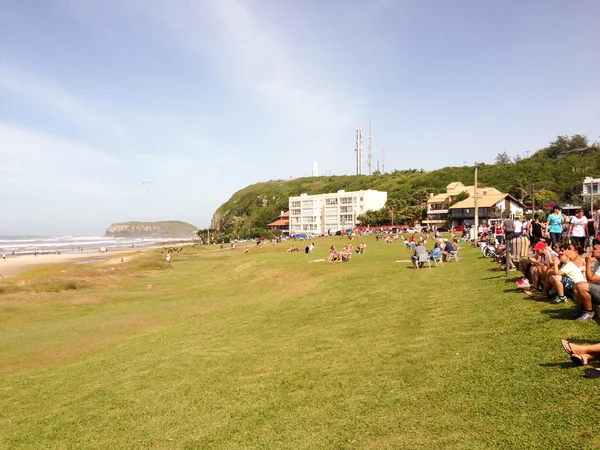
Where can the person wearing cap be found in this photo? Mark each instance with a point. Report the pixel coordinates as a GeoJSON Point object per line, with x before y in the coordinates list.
{"type": "Point", "coordinates": [531, 266]}
{"type": "Point", "coordinates": [554, 224]}
{"type": "Point", "coordinates": [564, 277]}
{"type": "Point", "coordinates": [587, 293]}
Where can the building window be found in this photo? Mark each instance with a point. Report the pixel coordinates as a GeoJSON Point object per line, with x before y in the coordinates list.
{"type": "Point", "coordinates": [345, 209]}
{"type": "Point", "coordinates": [295, 212]}
{"type": "Point", "coordinates": [331, 201]}
{"type": "Point", "coordinates": [295, 204]}
{"type": "Point", "coordinates": [307, 204]}
{"type": "Point", "coordinates": [346, 200]}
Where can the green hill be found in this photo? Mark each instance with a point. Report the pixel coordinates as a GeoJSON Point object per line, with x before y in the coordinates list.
{"type": "Point", "coordinates": [557, 172]}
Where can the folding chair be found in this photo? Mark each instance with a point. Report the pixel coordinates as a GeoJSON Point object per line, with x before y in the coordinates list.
{"type": "Point", "coordinates": [436, 259]}
{"type": "Point", "coordinates": [454, 254]}
{"type": "Point", "coordinates": [422, 259]}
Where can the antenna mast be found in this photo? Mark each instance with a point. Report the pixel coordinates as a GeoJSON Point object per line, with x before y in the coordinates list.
{"type": "Point", "coordinates": [358, 151]}
{"type": "Point", "coordinates": [369, 154]}
{"type": "Point", "coordinates": [383, 160]}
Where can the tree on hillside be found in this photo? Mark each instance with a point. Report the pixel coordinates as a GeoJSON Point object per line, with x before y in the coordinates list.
{"type": "Point", "coordinates": [393, 206]}
{"type": "Point", "coordinates": [373, 217]}
{"type": "Point", "coordinates": [419, 198]}
{"type": "Point", "coordinates": [206, 235]}
{"type": "Point", "coordinates": [503, 158]}
{"type": "Point", "coordinates": [565, 143]}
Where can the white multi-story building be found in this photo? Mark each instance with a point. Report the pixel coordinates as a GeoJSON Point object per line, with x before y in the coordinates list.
{"type": "Point", "coordinates": [332, 212]}
{"type": "Point", "coordinates": [590, 187]}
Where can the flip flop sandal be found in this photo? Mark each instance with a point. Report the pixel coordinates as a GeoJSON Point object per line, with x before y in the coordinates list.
{"type": "Point", "coordinates": [567, 346]}
{"type": "Point", "coordinates": [592, 373]}
{"type": "Point", "coordinates": [578, 360]}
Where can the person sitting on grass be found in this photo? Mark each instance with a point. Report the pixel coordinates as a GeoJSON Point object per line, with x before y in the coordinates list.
{"type": "Point", "coordinates": [418, 251]}
{"type": "Point", "coordinates": [334, 255]}
{"type": "Point", "coordinates": [564, 277]}
{"type": "Point", "coordinates": [581, 355]}
{"type": "Point", "coordinates": [587, 293]}
{"type": "Point", "coordinates": [530, 266]}
{"type": "Point", "coordinates": [541, 271]}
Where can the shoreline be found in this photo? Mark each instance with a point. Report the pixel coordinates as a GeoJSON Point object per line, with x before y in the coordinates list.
{"type": "Point", "coordinates": [17, 264]}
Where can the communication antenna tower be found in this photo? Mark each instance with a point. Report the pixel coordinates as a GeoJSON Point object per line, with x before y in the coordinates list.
{"type": "Point", "coordinates": [358, 151]}
{"type": "Point", "coordinates": [383, 160]}
{"type": "Point", "coordinates": [369, 154]}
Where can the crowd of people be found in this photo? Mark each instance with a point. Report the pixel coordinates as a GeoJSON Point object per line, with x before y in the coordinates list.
{"type": "Point", "coordinates": [563, 265]}
{"type": "Point", "coordinates": [443, 250]}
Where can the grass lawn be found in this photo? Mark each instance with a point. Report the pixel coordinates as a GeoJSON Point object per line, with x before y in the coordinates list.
{"type": "Point", "coordinates": [265, 350]}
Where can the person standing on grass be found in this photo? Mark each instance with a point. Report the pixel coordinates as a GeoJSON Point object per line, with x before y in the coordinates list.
{"type": "Point", "coordinates": [578, 229]}
{"type": "Point", "coordinates": [508, 228]}
{"type": "Point", "coordinates": [518, 227]}
{"type": "Point", "coordinates": [591, 231]}
{"type": "Point", "coordinates": [554, 224]}
{"type": "Point", "coordinates": [168, 259]}
{"type": "Point", "coordinates": [536, 231]}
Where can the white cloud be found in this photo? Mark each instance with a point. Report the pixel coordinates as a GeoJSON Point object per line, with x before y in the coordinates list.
{"type": "Point", "coordinates": [55, 98]}
{"type": "Point", "coordinates": [248, 53]}
{"type": "Point", "coordinates": [32, 160]}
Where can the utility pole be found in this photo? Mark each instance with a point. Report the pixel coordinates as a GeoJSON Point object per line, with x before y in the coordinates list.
{"type": "Point", "coordinates": [476, 194]}
{"type": "Point", "coordinates": [532, 202]}
{"type": "Point", "coordinates": [591, 197]}
{"type": "Point", "coordinates": [358, 151]}
{"type": "Point", "coordinates": [369, 151]}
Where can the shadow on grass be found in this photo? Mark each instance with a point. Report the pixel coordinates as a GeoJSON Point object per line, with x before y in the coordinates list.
{"type": "Point", "coordinates": [513, 290]}
{"type": "Point", "coordinates": [562, 365]}
{"type": "Point", "coordinates": [560, 314]}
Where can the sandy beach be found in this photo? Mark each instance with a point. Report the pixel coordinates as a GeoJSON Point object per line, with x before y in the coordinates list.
{"type": "Point", "coordinates": [14, 265]}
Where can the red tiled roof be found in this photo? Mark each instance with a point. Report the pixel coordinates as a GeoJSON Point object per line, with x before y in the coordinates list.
{"type": "Point", "coordinates": [279, 223]}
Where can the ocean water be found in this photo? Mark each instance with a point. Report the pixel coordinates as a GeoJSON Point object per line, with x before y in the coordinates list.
{"type": "Point", "coordinates": [22, 245]}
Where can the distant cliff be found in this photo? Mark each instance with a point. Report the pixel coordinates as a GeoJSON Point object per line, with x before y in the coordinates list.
{"type": "Point", "coordinates": [169, 229]}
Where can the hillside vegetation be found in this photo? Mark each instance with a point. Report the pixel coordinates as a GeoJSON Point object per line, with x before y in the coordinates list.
{"type": "Point", "coordinates": [557, 172]}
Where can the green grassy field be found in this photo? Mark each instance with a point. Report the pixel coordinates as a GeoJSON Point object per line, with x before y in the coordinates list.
{"type": "Point", "coordinates": [266, 350]}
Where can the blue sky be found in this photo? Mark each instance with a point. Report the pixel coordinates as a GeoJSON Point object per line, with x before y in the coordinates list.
{"type": "Point", "coordinates": [204, 97]}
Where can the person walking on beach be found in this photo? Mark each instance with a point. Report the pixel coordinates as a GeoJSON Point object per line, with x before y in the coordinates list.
{"type": "Point", "coordinates": [4, 256]}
